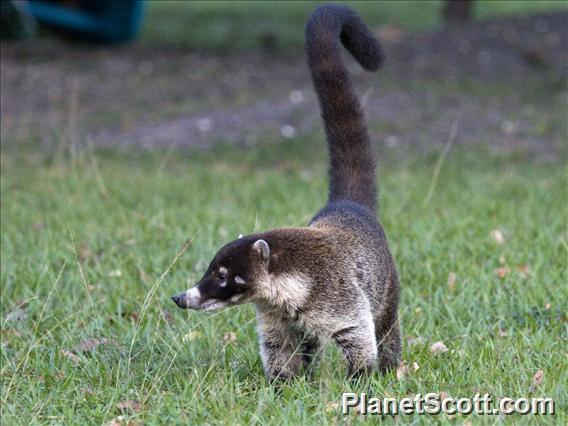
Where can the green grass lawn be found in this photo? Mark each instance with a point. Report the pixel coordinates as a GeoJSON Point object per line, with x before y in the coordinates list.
{"type": "Point", "coordinates": [222, 25]}
{"type": "Point", "coordinates": [89, 242]}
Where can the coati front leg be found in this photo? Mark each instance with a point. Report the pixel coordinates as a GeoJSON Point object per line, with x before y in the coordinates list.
{"type": "Point", "coordinates": [358, 345]}
{"type": "Point", "coordinates": [310, 351]}
{"type": "Point", "coordinates": [280, 350]}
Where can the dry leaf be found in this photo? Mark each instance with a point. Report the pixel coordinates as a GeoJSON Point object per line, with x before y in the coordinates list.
{"type": "Point", "coordinates": [131, 405]}
{"type": "Point", "coordinates": [22, 304]}
{"type": "Point", "coordinates": [166, 316]}
{"type": "Point", "coordinates": [230, 337]}
{"type": "Point", "coordinates": [392, 141]}
{"type": "Point", "coordinates": [537, 380]}
{"type": "Point", "coordinates": [438, 348]}
{"type": "Point", "coordinates": [523, 270]}
{"type": "Point", "coordinates": [547, 306]}
{"type": "Point", "coordinates": [205, 124]}
{"type": "Point", "coordinates": [191, 336]}
{"type": "Point", "coordinates": [145, 277]}
{"type": "Point", "coordinates": [413, 341]}
{"type": "Point", "coordinates": [88, 391]}
{"type": "Point", "coordinates": [497, 236]}
{"type": "Point", "coordinates": [458, 352]}
{"type": "Point", "coordinates": [121, 421]}
{"type": "Point", "coordinates": [452, 281]}
{"type": "Point", "coordinates": [70, 356]}
{"type": "Point", "coordinates": [91, 344]}
{"type": "Point", "coordinates": [405, 369]}
{"type": "Point", "coordinates": [132, 316]}
{"type": "Point", "coordinates": [502, 272]}
{"type": "Point", "coordinates": [503, 332]}
{"type": "Point", "coordinates": [17, 314]}
{"type": "Point", "coordinates": [7, 335]}
{"type": "Point", "coordinates": [84, 252]}
{"type": "Point", "coordinates": [502, 260]}
{"type": "Point", "coordinates": [288, 131]}
{"type": "Point", "coordinates": [401, 371]}
{"type": "Point", "coordinates": [296, 96]}
{"type": "Point", "coordinates": [115, 274]}
{"type": "Point", "coordinates": [331, 406]}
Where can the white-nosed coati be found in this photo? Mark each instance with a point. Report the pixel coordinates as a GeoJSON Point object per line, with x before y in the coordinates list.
{"type": "Point", "coordinates": [334, 280]}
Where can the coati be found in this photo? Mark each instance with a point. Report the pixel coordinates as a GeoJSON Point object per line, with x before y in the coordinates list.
{"type": "Point", "coordinates": [334, 280]}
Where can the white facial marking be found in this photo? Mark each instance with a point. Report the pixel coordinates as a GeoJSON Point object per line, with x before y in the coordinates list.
{"type": "Point", "coordinates": [240, 236]}
{"type": "Point", "coordinates": [223, 284]}
{"type": "Point", "coordinates": [239, 280]}
{"type": "Point", "coordinates": [193, 295]}
{"type": "Point", "coordinates": [223, 270]}
{"type": "Point", "coordinates": [236, 298]}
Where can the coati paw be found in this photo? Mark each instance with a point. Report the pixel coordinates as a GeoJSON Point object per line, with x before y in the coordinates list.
{"type": "Point", "coordinates": [279, 377]}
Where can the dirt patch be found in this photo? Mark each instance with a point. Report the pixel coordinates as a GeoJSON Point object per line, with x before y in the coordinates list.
{"type": "Point", "coordinates": [502, 80]}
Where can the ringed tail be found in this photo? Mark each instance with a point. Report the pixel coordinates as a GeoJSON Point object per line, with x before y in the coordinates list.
{"type": "Point", "coordinates": [352, 164]}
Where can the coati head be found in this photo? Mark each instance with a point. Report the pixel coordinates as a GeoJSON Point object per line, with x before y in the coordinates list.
{"type": "Point", "coordinates": [233, 277]}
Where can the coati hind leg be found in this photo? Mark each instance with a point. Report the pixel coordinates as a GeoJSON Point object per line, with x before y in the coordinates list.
{"type": "Point", "coordinates": [359, 347]}
{"type": "Point", "coordinates": [389, 346]}
{"type": "Point", "coordinates": [280, 351]}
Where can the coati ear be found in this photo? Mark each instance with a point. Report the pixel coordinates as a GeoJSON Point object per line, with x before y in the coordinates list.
{"type": "Point", "coordinates": [261, 247]}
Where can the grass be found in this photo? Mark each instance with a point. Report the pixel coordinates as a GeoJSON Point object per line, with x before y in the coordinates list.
{"type": "Point", "coordinates": [230, 25]}
{"type": "Point", "coordinates": [90, 242]}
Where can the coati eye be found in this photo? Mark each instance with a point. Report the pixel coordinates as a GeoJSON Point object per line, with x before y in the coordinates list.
{"type": "Point", "coordinates": [222, 273]}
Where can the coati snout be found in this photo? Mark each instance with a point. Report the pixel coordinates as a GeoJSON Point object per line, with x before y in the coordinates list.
{"type": "Point", "coordinates": [231, 278]}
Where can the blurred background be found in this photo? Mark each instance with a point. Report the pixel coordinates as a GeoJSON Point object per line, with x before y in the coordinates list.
{"type": "Point", "coordinates": [190, 74]}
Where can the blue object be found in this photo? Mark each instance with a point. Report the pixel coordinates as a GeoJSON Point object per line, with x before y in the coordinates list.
{"type": "Point", "coordinates": [100, 20]}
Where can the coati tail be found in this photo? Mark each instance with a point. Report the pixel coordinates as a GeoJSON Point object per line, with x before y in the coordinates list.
{"type": "Point", "coordinates": [352, 168]}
